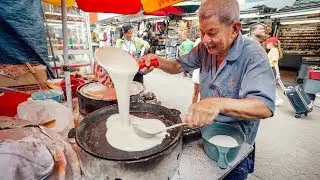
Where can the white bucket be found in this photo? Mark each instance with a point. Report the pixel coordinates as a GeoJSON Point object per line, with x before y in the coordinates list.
{"type": "Point", "coordinates": [317, 100]}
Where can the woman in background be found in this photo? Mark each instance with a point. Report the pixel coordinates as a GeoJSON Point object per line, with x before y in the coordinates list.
{"type": "Point", "coordinates": [275, 53]}
{"type": "Point", "coordinates": [133, 45]}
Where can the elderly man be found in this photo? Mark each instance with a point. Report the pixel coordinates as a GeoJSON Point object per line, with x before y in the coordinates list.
{"type": "Point", "coordinates": [236, 82]}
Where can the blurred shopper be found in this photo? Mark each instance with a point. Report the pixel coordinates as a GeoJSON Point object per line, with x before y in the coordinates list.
{"type": "Point", "coordinates": [275, 53]}
{"type": "Point", "coordinates": [185, 48]}
{"type": "Point", "coordinates": [258, 32]}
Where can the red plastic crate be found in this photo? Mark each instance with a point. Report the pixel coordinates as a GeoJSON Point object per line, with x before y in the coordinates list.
{"type": "Point", "coordinates": [9, 102]}
{"type": "Point", "coordinates": [314, 73]}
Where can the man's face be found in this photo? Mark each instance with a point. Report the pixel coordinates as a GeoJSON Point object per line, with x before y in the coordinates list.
{"type": "Point", "coordinates": [216, 36]}
{"type": "Point", "coordinates": [128, 35]}
{"type": "Point", "coordinates": [259, 31]}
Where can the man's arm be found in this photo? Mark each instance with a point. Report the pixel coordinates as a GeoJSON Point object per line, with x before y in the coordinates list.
{"type": "Point", "coordinates": [247, 109]}
{"type": "Point", "coordinates": [206, 110]}
{"type": "Point", "coordinates": [170, 66]}
{"type": "Point", "coordinates": [186, 62]}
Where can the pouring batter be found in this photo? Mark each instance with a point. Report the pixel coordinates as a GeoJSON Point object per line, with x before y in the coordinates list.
{"type": "Point", "coordinates": [120, 134]}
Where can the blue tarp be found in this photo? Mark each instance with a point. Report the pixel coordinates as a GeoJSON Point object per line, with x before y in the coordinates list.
{"type": "Point", "coordinates": [22, 33]}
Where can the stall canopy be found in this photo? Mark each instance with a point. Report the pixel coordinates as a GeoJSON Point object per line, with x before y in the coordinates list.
{"type": "Point", "coordinates": [177, 9]}
{"type": "Point", "coordinates": [27, 43]}
{"type": "Point", "coordinates": [276, 4]}
{"type": "Point", "coordinates": [124, 6]}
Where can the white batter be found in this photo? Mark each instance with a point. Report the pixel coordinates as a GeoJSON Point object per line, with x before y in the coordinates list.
{"type": "Point", "coordinates": [120, 134]}
{"type": "Point", "coordinates": [124, 138]}
{"type": "Point", "coordinates": [121, 67]}
{"type": "Point", "coordinates": [224, 141]}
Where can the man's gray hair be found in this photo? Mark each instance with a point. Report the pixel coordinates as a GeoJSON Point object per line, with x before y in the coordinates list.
{"type": "Point", "coordinates": [226, 10]}
{"type": "Point", "coordinates": [254, 26]}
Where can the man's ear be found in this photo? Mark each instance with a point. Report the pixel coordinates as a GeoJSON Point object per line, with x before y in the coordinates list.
{"type": "Point", "coordinates": [237, 26]}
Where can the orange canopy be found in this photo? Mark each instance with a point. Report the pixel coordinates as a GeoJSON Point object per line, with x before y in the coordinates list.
{"type": "Point", "coordinates": [124, 6]}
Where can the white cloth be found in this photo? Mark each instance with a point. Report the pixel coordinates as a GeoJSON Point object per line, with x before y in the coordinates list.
{"type": "Point", "coordinates": [196, 76]}
{"type": "Point", "coordinates": [129, 47]}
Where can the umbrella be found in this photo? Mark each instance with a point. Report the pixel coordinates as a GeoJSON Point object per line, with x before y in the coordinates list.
{"type": "Point", "coordinates": [124, 6]}
{"type": "Point", "coordinates": [177, 9]}
{"type": "Point", "coordinates": [166, 11]}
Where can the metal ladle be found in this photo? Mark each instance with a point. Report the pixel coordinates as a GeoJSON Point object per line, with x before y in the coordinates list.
{"type": "Point", "coordinates": [148, 133]}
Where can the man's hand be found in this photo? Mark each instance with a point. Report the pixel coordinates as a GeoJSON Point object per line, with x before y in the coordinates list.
{"type": "Point", "coordinates": [147, 59]}
{"type": "Point", "coordinates": [278, 77]}
{"type": "Point", "coordinates": [202, 113]}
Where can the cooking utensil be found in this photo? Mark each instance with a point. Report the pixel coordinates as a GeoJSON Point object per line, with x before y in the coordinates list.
{"type": "Point", "coordinates": [99, 160]}
{"type": "Point", "coordinates": [145, 132]}
{"type": "Point", "coordinates": [41, 84]}
{"type": "Point", "coordinates": [93, 127]}
{"type": "Point", "coordinates": [223, 155]}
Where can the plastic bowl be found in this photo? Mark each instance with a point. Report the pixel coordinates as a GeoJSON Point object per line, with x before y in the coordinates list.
{"type": "Point", "coordinates": [10, 101]}
{"type": "Point", "coordinates": [223, 155]}
{"type": "Point", "coordinates": [53, 94]}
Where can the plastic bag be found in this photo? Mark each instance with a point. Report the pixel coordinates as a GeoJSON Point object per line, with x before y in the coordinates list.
{"type": "Point", "coordinates": [41, 111]}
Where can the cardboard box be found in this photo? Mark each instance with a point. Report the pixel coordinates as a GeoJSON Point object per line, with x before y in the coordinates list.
{"type": "Point", "coordinates": [26, 79]}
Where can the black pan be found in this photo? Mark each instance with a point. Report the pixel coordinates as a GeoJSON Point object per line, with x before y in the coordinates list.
{"type": "Point", "coordinates": [90, 134]}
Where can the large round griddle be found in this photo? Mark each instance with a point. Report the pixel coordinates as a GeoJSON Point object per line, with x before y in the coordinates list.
{"type": "Point", "coordinates": [91, 132]}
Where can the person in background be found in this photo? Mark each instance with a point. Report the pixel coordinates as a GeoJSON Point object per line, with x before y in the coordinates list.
{"type": "Point", "coordinates": [133, 45]}
{"type": "Point", "coordinates": [185, 48]}
{"type": "Point", "coordinates": [258, 32]}
{"type": "Point", "coordinates": [275, 53]}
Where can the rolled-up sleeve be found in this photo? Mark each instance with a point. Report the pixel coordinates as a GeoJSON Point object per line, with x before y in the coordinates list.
{"type": "Point", "coordinates": [258, 80]}
{"type": "Point", "coordinates": [192, 60]}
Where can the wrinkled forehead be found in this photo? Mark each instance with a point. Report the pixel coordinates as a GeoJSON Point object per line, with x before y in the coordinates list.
{"type": "Point", "coordinates": [211, 24]}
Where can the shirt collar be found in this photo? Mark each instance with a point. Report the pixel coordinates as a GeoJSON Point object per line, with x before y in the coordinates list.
{"type": "Point", "coordinates": [236, 48]}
